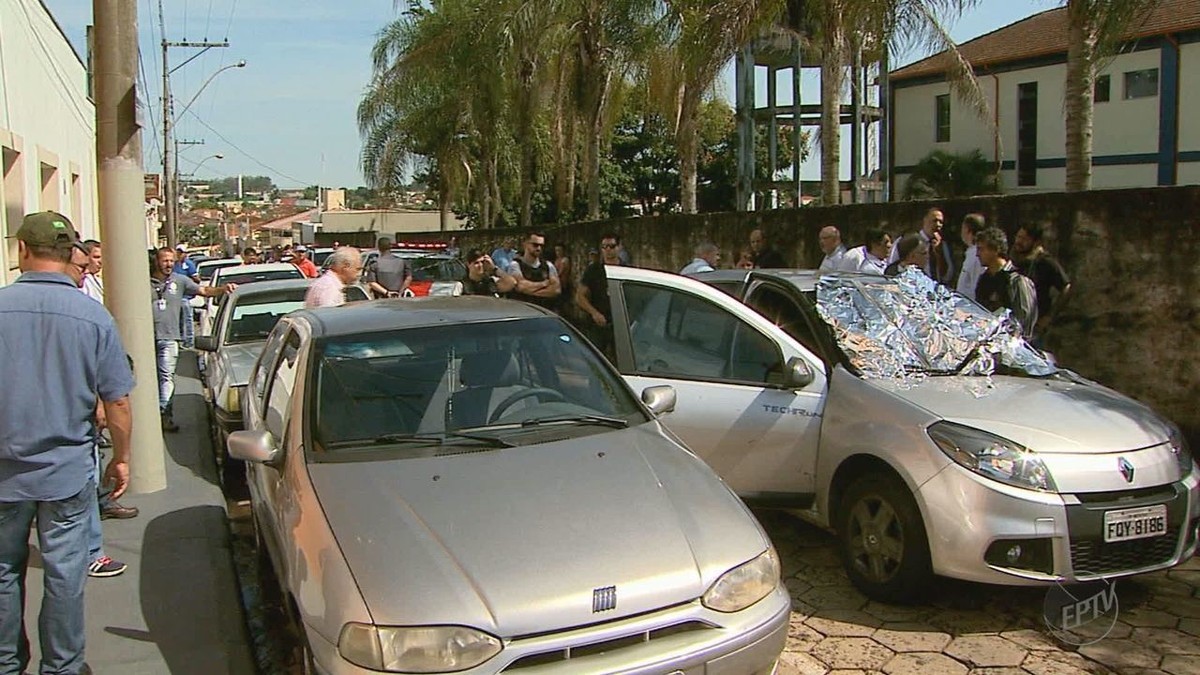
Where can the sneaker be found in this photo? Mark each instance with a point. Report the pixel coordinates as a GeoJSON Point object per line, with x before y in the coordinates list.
{"type": "Point", "coordinates": [106, 567]}
{"type": "Point", "coordinates": [168, 424]}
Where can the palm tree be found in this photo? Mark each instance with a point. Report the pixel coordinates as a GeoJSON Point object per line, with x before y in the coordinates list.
{"type": "Point", "coordinates": [703, 35]}
{"type": "Point", "coordinates": [1095, 28]}
{"type": "Point", "coordinates": [844, 26]}
{"type": "Point", "coordinates": [943, 175]}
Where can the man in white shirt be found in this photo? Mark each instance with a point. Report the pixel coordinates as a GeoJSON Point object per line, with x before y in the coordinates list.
{"type": "Point", "coordinates": [92, 286]}
{"type": "Point", "coordinates": [830, 240]}
{"type": "Point", "coordinates": [972, 268]}
{"type": "Point", "coordinates": [871, 257]}
{"type": "Point", "coordinates": [707, 255]}
{"type": "Point", "coordinates": [345, 264]}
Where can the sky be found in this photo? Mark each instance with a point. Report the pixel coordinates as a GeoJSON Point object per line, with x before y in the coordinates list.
{"type": "Point", "coordinates": [290, 113]}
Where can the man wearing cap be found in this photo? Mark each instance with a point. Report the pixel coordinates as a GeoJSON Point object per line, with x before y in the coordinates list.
{"type": "Point", "coordinates": [168, 290]}
{"type": "Point", "coordinates": [301, 261]}
{"type": "Point", "coordinates": [64, 350]}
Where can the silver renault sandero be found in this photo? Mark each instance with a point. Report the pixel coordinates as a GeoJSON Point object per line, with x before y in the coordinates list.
{"type": "Point", "coordinates": [465, 485]}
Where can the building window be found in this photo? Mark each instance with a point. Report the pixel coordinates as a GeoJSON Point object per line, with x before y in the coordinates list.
{"type": "Point", "coordinates": [1103, 87]}
{"type": "Point", "coordinates": [1027, 133]}
{"type": "Point", "coordinates": [943, 118]}
{"type": "Point", "coordinates": [1141, 83]}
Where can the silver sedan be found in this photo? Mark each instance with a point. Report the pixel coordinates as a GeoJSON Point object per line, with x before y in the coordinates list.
{"type": "Point", "coordinates": [465, 485]}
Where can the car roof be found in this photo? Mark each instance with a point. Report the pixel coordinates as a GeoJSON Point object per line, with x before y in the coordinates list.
{"type": "Point", "coordinates": [219, 262]}
{"type": "Point", "coordinates": [257, 267]}
{"type": "Point", "coordinates": [404, 313]}
{"type": "Point", "coordinates": [264, 287]}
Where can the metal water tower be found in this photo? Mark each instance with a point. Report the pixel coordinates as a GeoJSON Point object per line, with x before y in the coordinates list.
{"type": "Point", "coordinates": [865, 114]}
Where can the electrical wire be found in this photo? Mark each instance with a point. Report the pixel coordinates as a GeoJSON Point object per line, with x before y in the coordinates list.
{"type": "Point", "coordinates": [247, 155]}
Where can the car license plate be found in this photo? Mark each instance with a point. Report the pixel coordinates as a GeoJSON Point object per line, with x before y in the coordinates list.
{"type": "Point", "coordinates": [1139, 523]}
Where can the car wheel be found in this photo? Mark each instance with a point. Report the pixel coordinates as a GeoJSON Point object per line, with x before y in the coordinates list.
{"type": "Point", "coordinates": [883, 540]}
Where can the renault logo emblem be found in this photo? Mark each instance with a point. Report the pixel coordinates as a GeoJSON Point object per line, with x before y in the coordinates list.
{"type": "Point", "coordinates": [604, 599]}
{"type": "Point", "coordinates": [1126, 469]}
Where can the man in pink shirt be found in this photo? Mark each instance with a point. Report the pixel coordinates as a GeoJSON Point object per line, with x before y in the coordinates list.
{"type": "Point", "coordinates": [345, 264]}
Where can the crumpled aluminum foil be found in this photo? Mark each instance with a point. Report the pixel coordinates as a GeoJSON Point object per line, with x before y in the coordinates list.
{"type": "Point", "coordinates": [908, 327]}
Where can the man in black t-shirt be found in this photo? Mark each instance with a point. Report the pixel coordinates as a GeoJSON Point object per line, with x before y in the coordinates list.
{"type": "Point", "coordinates": [1001, 285]}
{"type": "Point", "coordinates": [484, 278]}
{"type": "Point", "coordinates": [1047, 274]}
{"type": "Point", "coordinates": [765, 255]}
{"type": "Point", "coordinates": [592, 296]}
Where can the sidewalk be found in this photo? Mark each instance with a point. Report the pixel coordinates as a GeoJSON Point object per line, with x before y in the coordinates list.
{"type": "Point", "coordinates": [177, 608]}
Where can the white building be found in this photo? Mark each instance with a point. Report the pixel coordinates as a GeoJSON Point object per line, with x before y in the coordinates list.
{"type": "Point", "coordinates": [47, 126]}
{"type": "Point", "coordinates": [1147, 110]}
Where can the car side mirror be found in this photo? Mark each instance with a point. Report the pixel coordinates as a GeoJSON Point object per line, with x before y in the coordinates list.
{"type": "Point", "coordinates": [253, 446]}
{"type": "Point", "coordinates": [206, 343]}
{"type": "Point", "coordinates": [797, 374]}
{"type": "Point", "coordinates": [660, 399]}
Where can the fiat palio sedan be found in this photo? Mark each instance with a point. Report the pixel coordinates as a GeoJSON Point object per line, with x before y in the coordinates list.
{"type": "Point", "coordinates": [465, 485]}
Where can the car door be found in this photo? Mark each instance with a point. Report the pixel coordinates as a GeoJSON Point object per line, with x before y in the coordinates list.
{"type": "Point", "coordinates": [726, 364]}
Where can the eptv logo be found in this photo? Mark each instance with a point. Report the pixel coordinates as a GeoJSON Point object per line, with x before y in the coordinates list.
{"type": "Point", "coordinates": [1080, 614]}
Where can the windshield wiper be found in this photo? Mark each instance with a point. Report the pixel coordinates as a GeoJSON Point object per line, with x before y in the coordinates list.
{"type": "Point", "coordinates": [438, 439]}
{"type": "Point", "coordinates": [601, 420]}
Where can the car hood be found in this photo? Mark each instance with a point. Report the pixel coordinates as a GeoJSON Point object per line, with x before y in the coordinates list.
{"type": "Point", "coordinates": [1061, 415]}
{"type": "Point", "coordinates": [515, 541]}
{"type": "Point", "coordinates": [239, 360]}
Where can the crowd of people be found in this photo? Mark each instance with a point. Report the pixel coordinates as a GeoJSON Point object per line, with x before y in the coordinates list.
{"type": "Point", "coordinates": [1023, 278]}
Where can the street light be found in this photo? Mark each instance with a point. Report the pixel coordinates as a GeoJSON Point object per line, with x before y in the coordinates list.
{"type": "Point", "coordinates": [196, 169]}
{"type": "Point", "coordinates": [170, 170]}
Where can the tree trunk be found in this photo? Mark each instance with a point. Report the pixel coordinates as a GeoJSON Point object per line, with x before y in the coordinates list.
{"type": "Point", "coordinates": [832, 77]}
{"type": "Point", "coordinates": [1079, 104]}
{"type": "Point", "coordinates": [444, 203]}
{"type": "Point", "coordinates": [571, 156]}
{"type": "Point", "coordinates": [686, 143]}
{"type": "Point", "coordinates": [558, 136]}
{"type": "Point", "coordinates": [525, 115]}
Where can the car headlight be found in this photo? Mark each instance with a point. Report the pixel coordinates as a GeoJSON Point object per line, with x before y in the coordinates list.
{"type": "Point", "coordinates": [745, 584]}
{"type": "Point", "coordinates": [1183, 454]}
{"type": "Point", "coordinates": [992, 456]}
{"type": "Point", "coordinates": [233, 399]}
{"type": "Point", "coordinates": [419, 649]}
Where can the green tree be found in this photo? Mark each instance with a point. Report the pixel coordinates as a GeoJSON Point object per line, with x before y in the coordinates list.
{"type": "Point", "coordinates": [943, 175]}
{"type": "Point", "coordinates": [1094, 31]}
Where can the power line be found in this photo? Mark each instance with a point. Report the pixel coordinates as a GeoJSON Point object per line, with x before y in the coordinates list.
{"type": "Point", "coordinates": [149, 107]}
{"type": "Point", "coordinates": [247, 155]}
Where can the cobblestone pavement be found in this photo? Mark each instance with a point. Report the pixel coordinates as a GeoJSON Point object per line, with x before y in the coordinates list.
{"type": "Point", "coordinates": [972, 628]}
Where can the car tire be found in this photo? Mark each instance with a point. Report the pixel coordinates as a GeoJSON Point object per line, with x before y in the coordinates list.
{"type": "Point", "coordinates": [883, 541]}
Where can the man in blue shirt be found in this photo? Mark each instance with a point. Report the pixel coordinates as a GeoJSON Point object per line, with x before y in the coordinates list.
{"type": "Point", "coordinates": [186, 267]}
{"type": "Point", "coordinates": [61, 352]}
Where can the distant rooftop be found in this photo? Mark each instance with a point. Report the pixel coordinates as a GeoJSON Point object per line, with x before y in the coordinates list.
{"type": "Point", "coordinates": [1045, 34]}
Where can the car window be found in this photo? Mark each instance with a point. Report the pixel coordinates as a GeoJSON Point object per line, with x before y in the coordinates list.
{"type": "Point", "coordinates": [354, 293]}
{"type": "Point", "coordinates": [265, 366]}
{"type": "Point", "coordinates": [206, 270]}
{"type": "Point", "coordinates": [676, 334]}
{"type": "Point", "coordinates": [279, 388]}
{"type": "Point", "coordinates": [782, 310]}
{"type": "Point", "coordinates": [437, 269]}
{"type": "Point", "coordinates": [250, 277]}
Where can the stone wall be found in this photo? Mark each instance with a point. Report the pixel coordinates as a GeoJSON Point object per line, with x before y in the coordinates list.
{"type": "Point", "coordinates": [1133, 321]}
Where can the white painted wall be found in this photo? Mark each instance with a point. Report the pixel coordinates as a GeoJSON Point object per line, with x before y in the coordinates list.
{"type": "Point", "coordinates": [46, 117]}
{"type": "Point", "coordinates": [1122, 126]}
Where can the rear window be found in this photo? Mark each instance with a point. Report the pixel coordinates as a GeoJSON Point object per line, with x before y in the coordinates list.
{"type": "Point", "coordinates": [254, 317]}
{"type": "Point", "coordinates": [437, 269]}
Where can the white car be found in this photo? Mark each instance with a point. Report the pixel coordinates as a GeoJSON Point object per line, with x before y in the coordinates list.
{"type": "Point", "coordinates": [972, 457]}
{"type": "Point", "coordinates": [241, 274]}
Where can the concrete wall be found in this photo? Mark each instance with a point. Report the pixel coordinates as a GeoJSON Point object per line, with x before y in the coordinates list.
{"type": "Point", "coordinates": [1123, 128]}
{"type": "Point", "coordinates": [47, 126]}
{"type": "Point", "coordinates": [1133, 322]}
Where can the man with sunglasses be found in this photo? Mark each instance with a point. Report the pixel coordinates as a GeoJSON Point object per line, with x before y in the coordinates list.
{"type": "Point", "coordinates": [536, 278]}
{"type": "Point", "coordinates": [592, 295]}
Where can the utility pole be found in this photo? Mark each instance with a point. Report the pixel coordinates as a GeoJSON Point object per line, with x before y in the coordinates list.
{"type": "Point", "coordinates": [122, 226]}
{"type": "Point", "coordinates": [170, 174]}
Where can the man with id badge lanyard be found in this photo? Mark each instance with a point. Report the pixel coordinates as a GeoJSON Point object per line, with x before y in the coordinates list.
{"type": "Point", "coordinates": [167, 295]}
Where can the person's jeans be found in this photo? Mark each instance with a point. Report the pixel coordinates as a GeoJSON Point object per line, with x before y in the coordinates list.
{"type": "Point", "coordinates": [187, 324]}
{"type": "Point", "coordinates": [62, 538]}
{"type": "Point", "coordinates": [95, 532]}
{"type": "Point", "coordinates": [167, 358]}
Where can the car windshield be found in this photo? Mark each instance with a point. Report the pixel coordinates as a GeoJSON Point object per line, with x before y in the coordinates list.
{"type": "Point", "coordinates": [266, 275]}
{"type": "Point", "coordinates": [255, 315]}
{"type": "Point", "coordinates": [451, 388]}
{"type": "Point", "coordinates": [437, 268]}
{"type": "Point", "coordinates": [894, 327]}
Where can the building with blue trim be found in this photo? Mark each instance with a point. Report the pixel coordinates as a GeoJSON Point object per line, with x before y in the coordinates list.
{"type": "Point", "coordinates": [1147, 105]}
